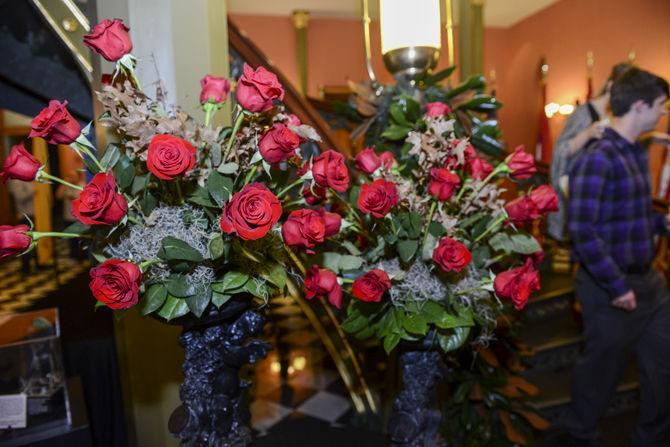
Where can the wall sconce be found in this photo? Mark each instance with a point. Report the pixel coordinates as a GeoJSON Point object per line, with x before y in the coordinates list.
{"type": "Point", "coordinates": [553, 108]}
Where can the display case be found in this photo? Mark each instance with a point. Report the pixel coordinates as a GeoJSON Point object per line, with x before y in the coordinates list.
{"type": "Point", "coordinates": [31, 370]}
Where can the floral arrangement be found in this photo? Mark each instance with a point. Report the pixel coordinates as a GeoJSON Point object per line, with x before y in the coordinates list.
{"type": "Point", "coordinates": [181, 217]}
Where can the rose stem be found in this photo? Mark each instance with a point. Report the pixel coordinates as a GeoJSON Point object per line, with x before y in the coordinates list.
{"type": "Point", "coordinates": [43, 174]}
{"type": "Point", "coordinates": [236, 127]}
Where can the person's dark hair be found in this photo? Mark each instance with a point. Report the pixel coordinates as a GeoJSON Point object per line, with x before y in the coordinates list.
{"type": "Point", "coordinates": [635, 85]}
{"type": "Point", "coordinates": [617, 71]}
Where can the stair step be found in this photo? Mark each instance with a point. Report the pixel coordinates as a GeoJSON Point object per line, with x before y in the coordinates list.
{"type": "Point", "coordinates": [555, 297]}
{"type": "Point", "coordinates": [556, 342]}
{"type": "Point", "coordinates": [555, 391]}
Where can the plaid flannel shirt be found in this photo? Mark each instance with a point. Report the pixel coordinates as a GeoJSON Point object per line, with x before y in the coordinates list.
{"type": "Point", "coordinates": [610, 216]}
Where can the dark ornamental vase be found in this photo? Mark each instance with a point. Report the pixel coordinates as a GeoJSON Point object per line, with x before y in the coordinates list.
{"type": "Point", "coordinates": [415, 420]}
{"type": "Point", "coordinates": [215, 410]}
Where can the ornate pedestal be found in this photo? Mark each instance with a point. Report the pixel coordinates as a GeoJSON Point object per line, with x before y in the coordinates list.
{"type": "Point", "coordinates": [215, 410]}
{"type": "Point", "coordinates": [415, 420]}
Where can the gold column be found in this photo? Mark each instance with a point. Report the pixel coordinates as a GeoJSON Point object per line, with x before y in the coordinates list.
{"type": "Point", "coordinates": [471, 37]}
{"type": "Point", "coordinates": [449, 28]}
{"type": "Point", "coordinates": [43, 204]}
{"type": "Point", "coordinates": [300, 22]}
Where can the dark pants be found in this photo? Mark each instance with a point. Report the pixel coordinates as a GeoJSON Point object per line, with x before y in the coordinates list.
{"type": "Point", "coordinates": [612, 336]}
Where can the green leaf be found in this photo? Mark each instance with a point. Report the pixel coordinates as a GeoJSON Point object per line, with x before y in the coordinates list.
{"type": "Point", "coordinates": [276, 274]}
{"type": "Point", "coordinates": [391, 341]}
{"type": "Point", "coordinates": [179, 287]}
{"type": "Point", "coordinates": [449, 321]}
{"type": "Point", "coordinates": [148, 203]}
{"type": "Point", "coordinates": [228, 168]}
{"type": "Point", "coordinates": [198, 302]}
{"type": "Point", "coordinates": [219, 299]}
{"type": "Point", "coordinates": [465, 223]}
{"type": "Point", "coordinates": [124, 172]}
{"type": "Point", "coordinates": [173, 308]}
{"type": "Point", "coordinates": [354, 325]}
{"type": "Point", "coordinates": [140, 183]}
{"type": "Point", "coordinates": [349, 262]}
{"type": "Point", "coordinates": [233, 280]}
{"type": "Point", "coordinates": [411, 222]}
{"type": "Point", "coordinates": [407, 249]}
{"type": "Point", "coordinates": [525, 244]}
{"type": "Point", "coordinates": [481, 103]}
{"type": "Point", "coordinates": [480, 256]}
{"type": "Point", "coordinates": [414, 323]}
{"type": "Point", "coordinates": [351, 248]}
{"type": "Point", "coordinates": [200, 196]}
{"type": "Point", "coordinates": [429, 247]}
{"type": "Point", "coordinates": [256, 288]}
{"type": "Point", "coordinates": [354, 192]}
{"type": "Point", "coordinates": [77, 228]}
{"type": "Point", "coordinates": [99, 257]}
{"type": "Point", "coordinates": [398, 115]}
{"type": "Point", "coordinates": [154, 298]}
{"type": "Point", "coordinates": [439, 76]}
{"type": "Point", "coordinates": [454, 341]}
{"type": "Point", "coordinates": [331, 261]}
{"type": "Point", "coordinates": [176, 249]}
{"type": "Point", "coordinates": [220, 187]}
{"type": "Point", "coordinates": [111, 156]}
{"type": "Point", "coordinates": [474, 82]}
{"type": "Point", "coordinates": [216, 247]}
{"type": "Point", "coordinates": [395, 133]}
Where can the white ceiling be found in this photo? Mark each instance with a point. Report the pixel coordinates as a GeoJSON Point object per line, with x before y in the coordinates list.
{"type": "Point", "coordinates": [497, 13]}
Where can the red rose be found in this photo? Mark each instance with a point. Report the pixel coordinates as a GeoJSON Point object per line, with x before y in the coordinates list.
{"type": "Point", "coordinates": [256, 89]}
{"type": "Point", "coordinates": [517, 284]}
{"type": "Point", "coordinates": [435, 109]}
{"type": "Point", "coordinates": [109, 39]}
{"type": "Point", "coordinates": [522, 210]}
{"type": "Point", "coordinates": [367, 160]}
{"type": "Point", "coordinates": [371, 286]}
{"type": "Point", "coordinates": [443, 183]}
{"type": "Point", "coordinates": [479, 168]}
{"type": "Point", "coordinates": [20, 165]}
{"type": "Point", "coordinates": [55, 124]}
{"type": "Point", "coordinates": [451, 255]}
{"type": "Point", "coordinates": [332, 221]}
{"type": "Point", "coordinates": [388, 160]}
{"type": "Point", "coordinates": [378, 197]}
{"type": "Point", "coordinates": [314, 194]}
{"type": "Point", "coordinates": [13, 240]}
{"type": "Point", "coordinates": [320, 282]}
{"type": "Point", "coordinates": [100, 203]}
{"type": "Point", "coordinates": [170, 156]}
{"type": "Point", "coordinates": [304, 228]}
{"type": "Point", "coordinates": [521, 164]}
{"type": "Point", "coordinates": [278, 143]}
{"type": "Point", "coordinates": [251, 212]}
{"type": "Point", "coordinates": [214, 89]}
{"type": "Point", "coordinates": [116, 283]}
{"type": "Point", "coordinates": [545, 198]}
{"type": "Point", "coordinates": [330, 171]}
{"type": "Point", "coordinates": [537, 258]}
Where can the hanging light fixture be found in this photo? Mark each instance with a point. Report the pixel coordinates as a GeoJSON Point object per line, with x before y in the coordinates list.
{"type": "Point", "coordinates": [410, 36]}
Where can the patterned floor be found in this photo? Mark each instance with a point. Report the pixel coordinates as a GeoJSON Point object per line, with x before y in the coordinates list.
{"type": "Point", "coordinates": [18, 291]}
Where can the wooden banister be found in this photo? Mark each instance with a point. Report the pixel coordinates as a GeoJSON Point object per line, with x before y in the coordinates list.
{"type": "Point", "coordinates": [295, 102]}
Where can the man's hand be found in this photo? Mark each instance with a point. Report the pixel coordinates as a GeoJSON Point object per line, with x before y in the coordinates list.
{"type": "Point", "coordinates": [626, 301]}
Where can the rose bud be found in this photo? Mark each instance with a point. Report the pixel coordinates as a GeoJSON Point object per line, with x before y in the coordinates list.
{"type": "Point", "coordinates": [545, 198]}
{"type": "Point", "coordinates": [100, 203]}
{"type": "Point", "coordinates": [214, 89]}
{"type": "Point", "coordinates": [169, 156]}
{"type": "Point", "coordinates": [330, 171]}
{"type": "Point", "coordinates": [443, 183]}
{"type": "Point", "coordinates": [451, 256]}
{"type": "Point", "coordinates": [314, 194]}
{"type": "Point", "coordinates": [55, 124]}
{"type": "Point", "coordinates": [371, 286]}
{"type": "Point", "coordinates": [522, 210]}
{"type": "Point", "coordinates": [256, 89]}
{"type": "Point", "coordinates": [479, 168]}
{"type": "Point", "coordinates": [109, 39]}
{"type": "Point", "coordinates": [537, 258]}
{"type": "Point", "coordinates": [293, 120]}
{"type": "Point", "coordinates": [13, 240]}
{"type": "Point", "coordinates": [116, 283]}
{"type": "Point", "coordinates": [332, 221]}
{"type": "Point", "coordinates": [304, 228]}
{"type": "Point", "coordinates": [251, 212]}
{"type": "Point", "coordinates": [517, 284]}
{"type": "Point", "coordinates": [368, 161]}
{"type": "Point", "coordinates": [388, 160]}
{"type": "Point", "coordinates": [435, 109]}
{"type": "Point", "coordinates": [378, 198]}
{"type": "Point", "coordinates": [521, 164]}
{"type": "Point", "coordinates": [278, 143]}
{"type": "Point", "coordinates": [20, 165]}
{"type": "Point", "coordinates": [320, 282]}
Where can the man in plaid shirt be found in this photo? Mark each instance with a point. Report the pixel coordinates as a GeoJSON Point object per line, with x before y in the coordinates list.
{"type": "Point", "coordinates": [625, 302]}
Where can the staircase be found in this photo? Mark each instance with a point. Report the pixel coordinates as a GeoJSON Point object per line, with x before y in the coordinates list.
{"type": "Point", "coordinates": [553, 333]}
